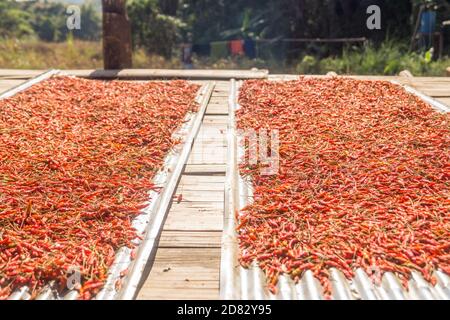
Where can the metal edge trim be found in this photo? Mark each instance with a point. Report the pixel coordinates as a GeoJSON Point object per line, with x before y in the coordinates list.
{"type": "Point", "coordinates": [228, 281]}
{"type": "Point", "coordinates": [439, 106]}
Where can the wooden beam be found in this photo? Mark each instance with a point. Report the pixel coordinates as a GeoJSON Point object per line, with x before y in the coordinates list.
{"type": "Point", "coordinates": [147, 74]}
{"type": "Point", "coordinates": [116, 35]}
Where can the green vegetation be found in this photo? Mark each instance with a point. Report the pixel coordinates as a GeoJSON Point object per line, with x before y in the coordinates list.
{"type": "Point", "coordinates": [33, 34]}
{"type": "Point", "coordinates": [387, 59]}
{"type": "Point", "coordinates": [71, 54]}
{"type": "Point", "coordinates": [153, 30]}
{"type": "Point", "coordinates": [46, 21]}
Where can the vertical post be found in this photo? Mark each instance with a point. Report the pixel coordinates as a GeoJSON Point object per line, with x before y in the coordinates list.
{"type": "Point", "coordinates": [116, 35]}
{"type": "Point", "coordinates": [416, 28]}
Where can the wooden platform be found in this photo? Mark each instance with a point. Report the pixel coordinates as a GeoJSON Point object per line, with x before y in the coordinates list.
{"type": "Point", "coordinates": [188, 258]}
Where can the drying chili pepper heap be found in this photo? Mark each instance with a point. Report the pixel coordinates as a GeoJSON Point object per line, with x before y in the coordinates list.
{"type": "Point", "coordinates": [77, 158]}
{"type": "Point", "coordinates": [364, 181]}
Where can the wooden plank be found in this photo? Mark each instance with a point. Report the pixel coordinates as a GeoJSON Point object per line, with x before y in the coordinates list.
{"type": "Point", "coordinates": [5, 85]}
{"type": "Point", "coordinates": [223, 104]}
{"type": "Point", "coordinates": [198, 208]}
{"type": "Point", "coordinates": [432, 79]}
{"type": "Point", "coordinates": [4, 88]}
{"type": "Point", "coordinates": [190, 239]}
{"type": "Point", "coordinates": [205, 168]}
{"type": "Point", "coordinates": [216, 109]}
{"type": "Point", "coordinates": [193, 182]}
{"type": "Point", "coordinates": [212, 134]}
{"type": "Point", "coordinates": [434, 91]}
{"type": "Point", "coordinates": [185, 279]}
{"type": "Point", "coordinates": [223, 86]}
{"type": "Point", "coordinates": [195, 216]}
{"type": "Point", "coordinates": [19, 73]}
{"type": "Point", "coordinates": [197, 195]}
{"type": "Point", "coordinates": [208, 129]}
{"type": "Point", "coordinates": [202, 159]}
{"type": "Point", "coordinates": [208, 157]}
{"type": "Point", "coordinates": [198, 205]}
{"type": "Point", "coordinates": [195, 219]}
{"type": "Point", "coordinates": [183, 273]}
{"type": "Point", "coordinates": [189, 180]}
{"type": "Point", "coordinates": [431, 84]}
{"type": "Point", "coordinates": [224, 94]}
{"type": "Point", "coordinates": [215, 139]}
{"type": "Point", "coordinates": [209, 146]}
{"type": "Point", "coordinates": [186, 257]}
{"type": "Point", "coordinates": [445, 101]}
{"type": "Point", "coordinates": [180, 294]}
{"type": "Point", "coordinates": [201, 186]}
{"type": "Point", "coordinates": [208, 152]}
{"type": "Point", "coordinates": [170, 74]}
{"type": "Point", "coordinates": [208, 142]}
{"type": "Point", "coordinates": [219, 99]}
{"type": "Point", "coordinates": [214, 119]}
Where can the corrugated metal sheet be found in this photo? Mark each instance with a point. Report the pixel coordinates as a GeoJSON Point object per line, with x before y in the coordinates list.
{"type": "Point", "coordinates": [240, 283]}
{"type": "Point", "coordinates": [148, 224]}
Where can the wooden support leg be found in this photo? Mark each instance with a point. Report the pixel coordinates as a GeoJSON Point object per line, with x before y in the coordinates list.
{"type": "Point", "coordinates": [116, 35]}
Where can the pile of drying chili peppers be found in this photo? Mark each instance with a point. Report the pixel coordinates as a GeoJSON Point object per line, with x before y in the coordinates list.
{"type": "Point", "coordinates": [364, 181]}
{"type": "Point", "coordinates": [77, 158]}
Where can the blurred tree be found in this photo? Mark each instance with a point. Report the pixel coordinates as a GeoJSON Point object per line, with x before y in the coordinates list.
{"type": "Point", "coordinates": [46, 20]}
{"type": "Point", "coordinates": [14, 22]}
{"type": "Point", "coordinates": [169, 7]}
{"type": "Point", "coordinates": [49, 21]}
{"type": "Point", "coordinates": [218, 19]}
{"type": "Point", "coordinates": [159, 25]}
{"type": "Point", "coordinates": [90, 23]}
{"type": "Point", "coordinates": [152, 29]}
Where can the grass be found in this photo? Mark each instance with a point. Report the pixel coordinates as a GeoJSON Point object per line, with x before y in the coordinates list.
{"type": "Point", "coordinates": [388, 59]}
{"type": "Point", "coordinates": [72, 54]}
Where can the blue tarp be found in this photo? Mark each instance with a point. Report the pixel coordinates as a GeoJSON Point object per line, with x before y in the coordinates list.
{"type": "Point", "coordinates": [427, 22]}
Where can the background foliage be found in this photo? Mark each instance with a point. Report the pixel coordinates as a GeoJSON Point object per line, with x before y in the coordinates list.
{"type": "Point", "coordinates": [159, 26]}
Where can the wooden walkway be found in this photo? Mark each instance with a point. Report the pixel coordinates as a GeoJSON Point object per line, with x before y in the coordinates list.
{"type": "Point", "coordinates": [188, 258]}
{"type": "Point", "coordinates": [187, 262]}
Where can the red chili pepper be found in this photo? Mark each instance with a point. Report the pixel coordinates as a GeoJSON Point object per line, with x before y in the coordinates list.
{"type": "Point", "coordinates": [364, 179]}
{"type": "Point", "coordinates": [77, 162]}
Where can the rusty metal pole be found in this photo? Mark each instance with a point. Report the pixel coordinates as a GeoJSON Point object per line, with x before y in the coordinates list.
{"type": "Point", "coordinates": [116, 35]}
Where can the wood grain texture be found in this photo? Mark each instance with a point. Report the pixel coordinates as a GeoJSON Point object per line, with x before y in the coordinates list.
{"type": "Point", "coordinates": [183, 273]}
{"type": "Point", "coordinates": [6, 84]}
{"type": "Point", "coordinates": [190, 239]}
